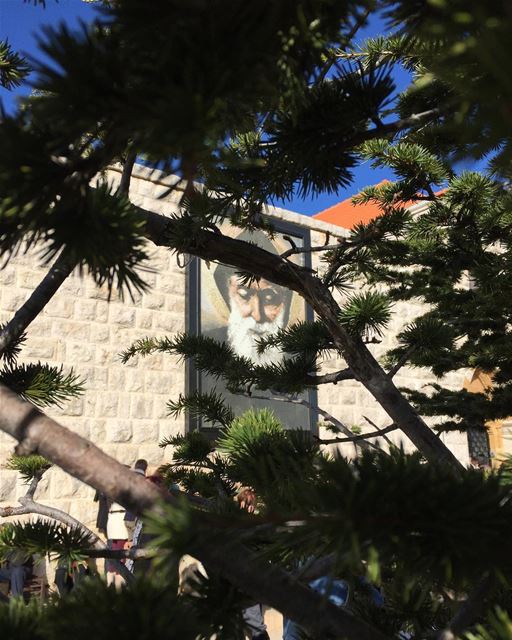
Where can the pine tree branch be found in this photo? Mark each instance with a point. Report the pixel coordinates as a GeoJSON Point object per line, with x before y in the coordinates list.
{"type": "Point", "coordinates": [246, 257]}
{"type": "Point", "coordinates": [33, 485]}
{"type": "Point", "coordinates": [297, 250]}
{"type": "Point", "coordinates": [331, 378]}
{"type": "Point", "coordinates": [362, 436]}
{"type": "Point", "coordinates": [359, 22]}
{"type": "Point", "coordinates": [402, 361]}
{"type": "Point", "coordinates": [396, 126]}
{"type": "Point", "coordinates": [243, 568]}
{"type": "Point", "coordinates": [29, 506]}
{"type": "Point", "coordinates": [37, 301]}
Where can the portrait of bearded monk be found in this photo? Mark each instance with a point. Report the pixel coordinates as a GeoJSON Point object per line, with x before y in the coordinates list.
{"type": "Point", "coordinates": [256, 310]}
{"type": "Point", "coordinates": [248, 312]}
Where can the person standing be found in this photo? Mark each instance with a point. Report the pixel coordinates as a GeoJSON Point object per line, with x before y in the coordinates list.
{"type": "Point", "coordinates": [117, 538]}
{"type": "Point", "coordinates": [253, 616]}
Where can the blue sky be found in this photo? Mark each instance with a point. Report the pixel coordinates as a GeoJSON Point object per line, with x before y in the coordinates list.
{"type": "Point", "coordinates": [21, 21]}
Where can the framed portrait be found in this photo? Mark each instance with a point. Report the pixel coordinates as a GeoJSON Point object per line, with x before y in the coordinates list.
{"type": "Point", "coordinates": [221, 307]}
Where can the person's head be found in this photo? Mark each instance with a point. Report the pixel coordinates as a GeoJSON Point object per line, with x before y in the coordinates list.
{"type": "Point", "coordinates": [141, 465]}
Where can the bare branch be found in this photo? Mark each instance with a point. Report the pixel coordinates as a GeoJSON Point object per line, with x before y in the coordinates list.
{"type": "Point", "coordinates": [33, 485]}
{"type": "Point", "coordinates": [382, 431]}
{"type": "Point", "coordinates": [134, 553]}
{"type": "Point", "coordinates": [361, 436]}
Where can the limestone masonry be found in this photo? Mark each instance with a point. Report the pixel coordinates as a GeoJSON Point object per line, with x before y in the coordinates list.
{"type": "Point", "coordinates": [123, 409]}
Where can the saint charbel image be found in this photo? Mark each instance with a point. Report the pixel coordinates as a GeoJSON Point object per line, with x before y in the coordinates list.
{"type": "Point", "coordinates": [241, 313]}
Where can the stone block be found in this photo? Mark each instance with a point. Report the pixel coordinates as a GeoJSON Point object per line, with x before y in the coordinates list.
{"type": "Point", "coordinates": [144, 319]}
{"type": "Point", "coordinates": [152, 453]}
{"type": "Point", "coordinates": [141, 406]}
{"type": "Point", "coordinates": [145, 432]}
{"type": "Point", "coordinates": [162, 382]}
{"type": "Point", "coordinates": [72, 330]}
{"type": "Point", "coordinates": [153, 301]}
{"type": "Point", "coordinates": [107, 405]}
{"type": "Point", "coordinates": [122, 316]}
{"type": "Point", "coordinates": [134, 380]}
{"type": "Point", "coordinates": [79, 352]}
{"type": "Point", "coordinates": [7, 276]}
{"type": "Point", "coordinates": [85, 309]}
{"type": "Point", "coordinates": [13, 299]}
{"type": "Point", "coordinates": [63, 485]}
{"type": "Point", "coordinates": [118, 431]}
{"type": "Point", "coordinates": [8, 481]}
{"type": "Point", "coordinates": [100, 333]}
{"type": "Point", "coordinates": [97, 431]}
{"type": "Point", "coordinates": [102, 307]}
{"type": "Point", "coordinates": [29, 278]}
{"type": "Point", "coordinates": [40, 349]}
{"type": "Point", "coordinates": [60, 307]}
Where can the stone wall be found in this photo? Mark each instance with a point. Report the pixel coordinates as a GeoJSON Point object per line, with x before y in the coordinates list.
{"type": "Point", "coordinates": [123, 409]}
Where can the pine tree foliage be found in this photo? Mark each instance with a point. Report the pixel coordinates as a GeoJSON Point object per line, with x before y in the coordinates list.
{"type": "Point", "coordinates": [300, 338]}
{"type": "Point", "coordinates": [240, 375]}
{"type": "Point", "coordinates": [211, 406]}
{"type": "Point", "coordinates": [45, 538]}
{"type": "Point", "coordinates": [12, 350]}
{"type": "Point", "coordinates": [28, 467]}
{"type": "Point", "coordinates": [42, 384]}
{"type": "Point", "coordinates": [366, 313]}
{"type": "Point", "coordinates": [310, 501]}
{"type": "Point", "coordinates": [13, 67]}
{"type": "Point", "coordinates": [22, 621]}
{"type": "Point", "coordinates": [499, 627]}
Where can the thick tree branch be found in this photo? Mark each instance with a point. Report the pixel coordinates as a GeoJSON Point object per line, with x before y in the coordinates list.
{"type": "Point", "coordinates": [216, 550]}
{"type": "Point", "coordinates": [126, 174]}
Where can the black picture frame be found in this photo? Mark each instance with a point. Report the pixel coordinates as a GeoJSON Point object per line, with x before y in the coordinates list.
{"type": "Point", "coordinates": [193, 326]}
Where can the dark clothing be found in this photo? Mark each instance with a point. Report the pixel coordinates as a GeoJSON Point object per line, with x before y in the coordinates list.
{"type": "Point", "coordinates": [103, 509]}
{"type": "Point", "coordinates": [16, 573]}
{"type": "Point", "coordinates": [253, 618]}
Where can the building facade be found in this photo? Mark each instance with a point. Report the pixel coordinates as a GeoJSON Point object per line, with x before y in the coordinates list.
{"type": "Point", "coordinates": [123, 409]}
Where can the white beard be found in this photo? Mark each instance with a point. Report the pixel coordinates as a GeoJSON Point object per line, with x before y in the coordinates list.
{"type": "Point", "coordinates": [243, 333]}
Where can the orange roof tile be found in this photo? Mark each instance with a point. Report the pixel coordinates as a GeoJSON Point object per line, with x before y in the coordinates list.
{"type": "Point", "coordinates": [346, 214]}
